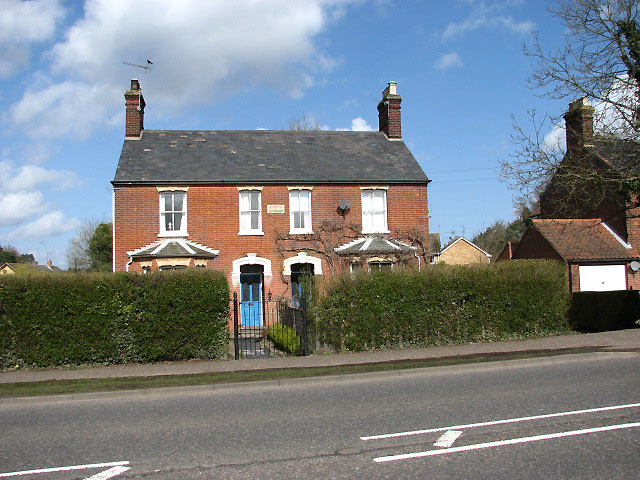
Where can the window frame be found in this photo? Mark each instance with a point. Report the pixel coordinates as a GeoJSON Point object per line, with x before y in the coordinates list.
{"type": "Point", "coordinates": [368, 225]}
{"type": "Point", "coordinates": [183, 232]}
{"type": "Point", "coordinates": [292, 228]}
{"type": "Point", "coordinates": [250, 231]}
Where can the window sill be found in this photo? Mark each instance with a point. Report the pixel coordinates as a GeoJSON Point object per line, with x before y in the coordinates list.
{"type": "Point", "coordinates": [173, 234]}
{"type": "Point", "coordinates": [300, 232]}
{"type": "Point", "coordinates": [252, 232]}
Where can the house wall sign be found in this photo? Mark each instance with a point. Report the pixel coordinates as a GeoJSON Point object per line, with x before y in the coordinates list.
{"type": "Point", "coordinates": [275, 208]}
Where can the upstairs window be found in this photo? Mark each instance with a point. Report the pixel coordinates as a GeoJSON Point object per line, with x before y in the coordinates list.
{"type": "Point", "coordinates": [173, 213]}
{"type": "Point", "coordinates": [250, 213]}
{"type": "Point", "coordinates": [300, 211]}
{"type": "Point", "coordinates": [374, 211]}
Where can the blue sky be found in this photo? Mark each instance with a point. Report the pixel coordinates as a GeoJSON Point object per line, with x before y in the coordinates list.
{"type": "Point", "coordinates": [251, 64]}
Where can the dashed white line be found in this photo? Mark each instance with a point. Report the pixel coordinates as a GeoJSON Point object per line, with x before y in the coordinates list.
{"type": "Point", "coordinates": [63, 469]}
{"type": "Point", "coordinates": [107, 474]}
{"type": "Point", "coordinates": [447, 439]}
{"type": "Point", "coordinates": [512, 441]}
{"type": "Point", "coordinates": [499, 422]}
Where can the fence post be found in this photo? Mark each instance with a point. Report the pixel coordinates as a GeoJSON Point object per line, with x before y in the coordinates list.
{"type": "Point", "coordinates": [305, 344]}
{"type": "Point", "coordinates": [236, 343]}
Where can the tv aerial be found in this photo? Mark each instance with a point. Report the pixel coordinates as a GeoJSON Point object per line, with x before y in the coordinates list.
{"type": "Point", "coordinates": [142, 68]}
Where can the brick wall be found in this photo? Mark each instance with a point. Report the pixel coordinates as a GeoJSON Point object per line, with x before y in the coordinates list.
{"type": "Point", "coordinates": [213, 220]}
{"type": "Point", "coordinates": [462, 254]}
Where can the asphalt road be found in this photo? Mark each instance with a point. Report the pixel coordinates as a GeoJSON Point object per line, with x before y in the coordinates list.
{"type": "Point", "coordinates": [482, 417]}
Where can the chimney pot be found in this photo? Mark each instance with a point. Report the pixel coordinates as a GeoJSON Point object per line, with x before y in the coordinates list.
{"type": "Point", "coordinates": [135, 84]}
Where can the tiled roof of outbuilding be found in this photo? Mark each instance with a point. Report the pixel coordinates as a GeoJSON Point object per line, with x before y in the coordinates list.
{"type": "Point", "coordinates": [266, 156]}
{"type": "Point", "coordinates": [583, 239]}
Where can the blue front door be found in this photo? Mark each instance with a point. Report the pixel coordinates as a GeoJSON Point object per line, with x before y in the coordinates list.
{"type": "Point", "coordinates": [251, 299]}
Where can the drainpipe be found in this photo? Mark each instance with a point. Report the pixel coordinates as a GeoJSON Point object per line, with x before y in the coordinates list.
{"type": "Point", "coordinates": [570, 278]}
{"type": "Point", "coordinates": [129, 263]}
{"type": "Point", "coordinates": [418, 257]}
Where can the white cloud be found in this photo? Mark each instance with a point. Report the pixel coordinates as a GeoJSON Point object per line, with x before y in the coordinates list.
{"type": "Point", "coordinates": [18, 206]}
{"type": "Point", "coordinates": [201, 51]}
{"type": "Point", "coordinates": [360, 125]}
{"type": "Point", "coordinates": [29, 177]}
{"type": "Point", "coordinates": [488, 15]}
{"type": "Point", "coordinates": [21, 198]}
{"type": "Point", "coordinates": [50, 224]}
{"type": "Point", "coordinates": [448, 60]}
{"type": "Point", "coordinates": [22, 24]}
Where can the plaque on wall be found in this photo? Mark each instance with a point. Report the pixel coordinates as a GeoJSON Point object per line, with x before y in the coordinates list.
{"type": "Point", "coordinates": [275, 208]}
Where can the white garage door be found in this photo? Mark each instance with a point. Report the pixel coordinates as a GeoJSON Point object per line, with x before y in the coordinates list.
{"type": "Point", "coordinates": [603, 278]}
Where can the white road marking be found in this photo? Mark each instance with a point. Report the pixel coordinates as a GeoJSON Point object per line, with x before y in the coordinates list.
{"type": "Point", "coordinates": [447, 439]}
{"type": "Point", "coordinates": [112, 472]}
{"type": "Point", "coordinates": [512, 441]}
{"type": "Point", "coordinates": [498, 422]}
{"type": "Point", "coordinates": [63, 469]}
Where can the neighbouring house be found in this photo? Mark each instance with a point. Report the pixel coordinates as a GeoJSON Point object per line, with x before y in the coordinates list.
{"type": "Point", "coordinates": [507, 251]}
{"type": "Point", "coordinates": [268, 207]}
{"type": "Point", "coordinates": [461, 251]}
{"type": "Point", "coordinates": [596, 235]}
{"type": "Point", "coordinates": [28, 268]}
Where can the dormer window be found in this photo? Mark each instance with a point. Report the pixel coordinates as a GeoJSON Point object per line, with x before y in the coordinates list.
{"type": "Point", "coordinates": [173, 213]}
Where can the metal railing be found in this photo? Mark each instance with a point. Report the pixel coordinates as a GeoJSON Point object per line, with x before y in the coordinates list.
{"type": "Point", "coordinates": [277, 328]}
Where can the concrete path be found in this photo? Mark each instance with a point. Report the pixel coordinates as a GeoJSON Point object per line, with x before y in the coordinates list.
{"type": "Point", "coordinates": [621, 340]}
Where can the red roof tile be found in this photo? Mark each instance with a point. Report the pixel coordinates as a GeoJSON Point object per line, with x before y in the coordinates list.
{"type": "Point", "coordinates": [582, 239]}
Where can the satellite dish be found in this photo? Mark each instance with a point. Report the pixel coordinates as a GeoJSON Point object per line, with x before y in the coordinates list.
{"type": "Point", "coordinates": [635, 266]}
{"type": "Point", "coordinates": [346, 205]}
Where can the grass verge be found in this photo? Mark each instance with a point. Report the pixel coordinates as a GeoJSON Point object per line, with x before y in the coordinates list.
{"type": "Point", "coordinates": [60, 387]}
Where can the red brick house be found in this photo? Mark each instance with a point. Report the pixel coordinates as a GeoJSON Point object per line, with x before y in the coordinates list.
{"type": "Point", "coordinates": [267, 206]}
{"type": "Point", "coordinates": [590, 227]}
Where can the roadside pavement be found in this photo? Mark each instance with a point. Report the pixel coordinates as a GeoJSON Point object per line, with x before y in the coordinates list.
{"type": "Point", "coordinates": [620, 340]}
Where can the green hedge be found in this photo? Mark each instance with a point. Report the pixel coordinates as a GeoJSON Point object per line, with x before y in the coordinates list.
{"type": "Point", "coordinates": [76, 319]}
{"type": "Point", "coordinates": [601, 311]}
{"type": "Point", "coordinates": [444, 305]}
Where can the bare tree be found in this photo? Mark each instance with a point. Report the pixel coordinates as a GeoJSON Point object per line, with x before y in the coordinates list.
{"type": "Point", "coordinates": [305, 122]}
{"type": "Point", "coordinates": [79, 254]}
{"type": "Point", "coordinates": [600, 60]}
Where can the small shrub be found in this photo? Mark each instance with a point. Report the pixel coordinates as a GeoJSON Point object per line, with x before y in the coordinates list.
{"type": "Point", "coordinates": [285, 338]}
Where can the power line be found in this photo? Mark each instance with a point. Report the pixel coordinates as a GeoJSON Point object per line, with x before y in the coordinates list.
{"type": "Point", "coordinates": [461, 170]}
{"type": "Point", "coordinates": [462, 181]}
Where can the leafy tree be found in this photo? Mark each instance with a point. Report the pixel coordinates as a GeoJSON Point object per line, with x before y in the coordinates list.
{"type": "Point", "coordinates": [79, 253]}
{"type": "Point", "coordinates": [26, 258]}
{"type": "Point", "coordinates": [101, 248]}
{"type": "Point", "coordinates": [494, 238]}
{"type": "Point", "coordinates": [600, 59]}
{"type": "Point", "coordinates": [10, 254]}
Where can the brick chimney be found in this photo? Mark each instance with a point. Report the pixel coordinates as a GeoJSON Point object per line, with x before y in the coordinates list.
{"type": "Point", "coordinates": [134, 103]}
{"type": "Point", "coordinates": [389, 118]}
{"type": "Point", "coordinates": [579, 123]}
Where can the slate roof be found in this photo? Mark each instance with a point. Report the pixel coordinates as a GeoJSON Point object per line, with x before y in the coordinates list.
{"type": "Point", "coordinates": [372, 245]}
{"type": "Point", "coordinates": [172, 248]}
{"type": "Point", "coordinates": [265, 156]}
{"type": "Point", "coordinates": [583, 239]}
{"type": "Point", "coordinates": [624, 154]}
